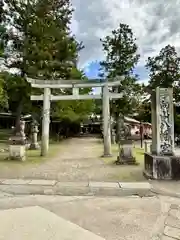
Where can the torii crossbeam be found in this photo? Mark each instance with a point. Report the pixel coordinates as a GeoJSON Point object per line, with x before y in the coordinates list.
{"type": "Point", "coordinates": [47, 97]}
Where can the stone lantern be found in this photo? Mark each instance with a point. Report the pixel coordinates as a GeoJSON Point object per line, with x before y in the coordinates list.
{"type": "Point", "coordinates": [125, 155]}
{"type": "Point", "coordinates": [17, 143]}
{"type": "Point", "coordinates": [34, 131]}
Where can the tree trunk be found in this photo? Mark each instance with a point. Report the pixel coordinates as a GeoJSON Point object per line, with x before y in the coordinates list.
{"type": "Point", "coordinates": [18, 113]}
{"type": "Point", "coordinates": [117, 127]}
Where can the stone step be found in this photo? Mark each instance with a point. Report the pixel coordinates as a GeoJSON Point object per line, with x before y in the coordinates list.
{"type": "Point", "coordinates": [51, 187]}
{"type": "Point", "coordinates": [38, 223]}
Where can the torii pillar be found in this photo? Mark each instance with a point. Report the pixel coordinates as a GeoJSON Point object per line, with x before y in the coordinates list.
{"type": "Point", "coordinates": [106, 122]}
{"type": "Point", "coordinates": [45, 122]}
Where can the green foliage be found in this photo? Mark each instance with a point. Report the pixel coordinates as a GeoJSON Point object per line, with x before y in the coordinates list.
{"type": "Point", "coordinates": [42, 41]}
{"type": "Point", "coordinates": [121, 58]}
{"type": "Point", "coordinates": [3, 95]}
{"type": "Point", "coordinates": [164, 68]}
{"type": "Point", "coordinates": [18, 91]}
{"type": "Point", "coordinates": [144, 111]}
{"type": "Point", "coordinates": [98, 107]}
{"type": "Point", "coordinates": [165, 72]}
{"type": "Point", "coordinates": [131, 96]}
{"type": "Point", "coordinates": [3, 33]}
{"type": "Point", "coordinates": [121, 52]}
{"type": "Point", "coordinates": [53, 49]}
{"type": "Point", "coordinates": [177, 124]}
{"type": "Point", "coordinates": [74, 110]}
{"type": "Point", "coordinates": [41, 46]}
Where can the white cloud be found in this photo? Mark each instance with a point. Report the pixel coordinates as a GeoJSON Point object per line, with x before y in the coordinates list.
{"type": "Point", "coordinates": [154, 23]}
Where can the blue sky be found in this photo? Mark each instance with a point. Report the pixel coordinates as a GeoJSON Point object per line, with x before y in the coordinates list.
{"type": "Point", "coordinates": [155, 24]}
{"type": "Point", "coordinates": [92, 71]}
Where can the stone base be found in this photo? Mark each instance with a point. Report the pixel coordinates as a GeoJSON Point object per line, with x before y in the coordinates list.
{"type": "Point", "coordinates": [17, 152]}
{"type": "Point", "coordinates": [130, 161]}
{"type": "Point", "coordinates": [162, 167]}
{"type": "Point", "coordinates": [106, 155]}
{"type": "Point", "coordinates": [126, 156]}
{"type": "Point", "coordinates": [34, 146]}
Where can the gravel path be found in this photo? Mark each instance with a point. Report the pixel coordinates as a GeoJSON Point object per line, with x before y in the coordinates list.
{"type": "Point", "coordinates": [78, 160]}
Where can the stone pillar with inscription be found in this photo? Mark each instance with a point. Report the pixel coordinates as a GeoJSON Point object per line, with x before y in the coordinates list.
{"type": "Point", "coordinates": [161, 163]}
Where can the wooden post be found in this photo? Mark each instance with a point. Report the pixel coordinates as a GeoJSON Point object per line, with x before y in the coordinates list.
{"type": "Point", "coordinates": [45, 122]}
{"type": "Point", "coordinates": [106, 122]}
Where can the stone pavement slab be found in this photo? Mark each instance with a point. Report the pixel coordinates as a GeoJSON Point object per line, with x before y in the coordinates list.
{"type": "Point", "coordinates": [166, 188]}
{"type": "Point", "coordinates": [53, 187]}
{"type": "Point", "coordinates": [104, 185]}
{"type": "Point", "coordinates": [172, 222]}
{"type": "Point", "coordinates": [113, 218]}
{"type": "Point", "coordinates": [42, 182]}
{"type": "Point", "coordinates": [72, 188]}
{"type": "Point", "coordinates": [49, 187]}
{"type": "Point", "coordinates": [37, 223]}
{"type": "Point", "coordinates": [135, 185]}
{"type": "Point", "coordinates": [175, 213]}
{"type": "Point", "coordinates": [72, 184]}
{"type": "Point", "coordinates": [166, 238]}
{"type": "Point", "coordinates": [105, 188]}
{"type": "Point", "coordinates": [15, 181]}
{"type": "Point", "coordinates": [172, 232]}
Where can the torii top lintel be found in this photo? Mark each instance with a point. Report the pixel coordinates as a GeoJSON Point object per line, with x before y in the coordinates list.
{"type": "Point", "coordinates": [37, 83]}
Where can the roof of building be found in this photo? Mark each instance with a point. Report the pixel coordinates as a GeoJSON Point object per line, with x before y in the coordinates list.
{"type": "Point", "coordinates": [131, 120]}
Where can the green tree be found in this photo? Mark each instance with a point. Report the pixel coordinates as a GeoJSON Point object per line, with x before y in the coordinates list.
{"type": "Point", "coordinates": [3, 95]}
{"type": "Point", "coordinates": [164, 68]}
{"type": "Point", "coordinates": [121, 54]}
{"type": "Point", "coordinates": [3, 30]}
{"type": "Point", "coordinates": [144, 111]}
{"type": "Point", "coordinates": [164, 71]}
{"type": "Point", "coordinates": [53, 49]}
{"type": "Point", "coordinates": [74, 110]}
{"type": "Point", "coordinates": [17, 90]}
{"type": "Point", "coordinates": [3, 42]}
{"type": "Point", "coordinates": [42, 45]}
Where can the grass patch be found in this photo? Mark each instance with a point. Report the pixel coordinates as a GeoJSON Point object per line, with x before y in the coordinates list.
{"type": "Point", "coordinates": [33, 156]}
{"type": "Point", "coordinates": [4, 136]}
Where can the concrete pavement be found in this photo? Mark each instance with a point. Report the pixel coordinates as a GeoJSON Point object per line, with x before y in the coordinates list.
{"type": "Point", "coordinates": [110, 218]}
{"type": "Point", "coordinates": [38, 223]}
{"type": "Point", "coordinates": [70, 217]}
{"type": "Point", "coordinates": [93, 217]}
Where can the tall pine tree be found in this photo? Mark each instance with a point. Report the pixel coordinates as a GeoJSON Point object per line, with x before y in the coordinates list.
{"type": "Point", "coordinates": [121, 57]}
{"type": "Point", "coordinates": [164, 68]}
{"type": "Point", "coordinates": [40, 45]}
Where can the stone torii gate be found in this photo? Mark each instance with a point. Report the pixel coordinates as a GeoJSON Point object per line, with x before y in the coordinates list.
{"type": "Point", "coordinates": [75, 85]}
